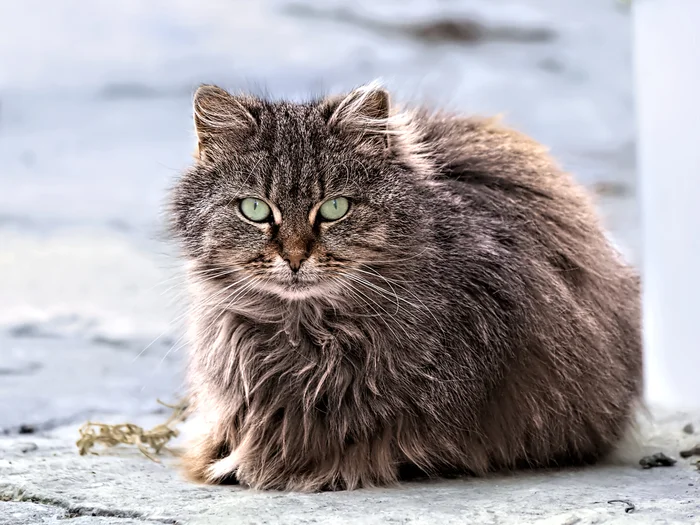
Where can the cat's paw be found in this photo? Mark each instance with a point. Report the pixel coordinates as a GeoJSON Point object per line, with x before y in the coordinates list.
{"type": "Point", "coordinates": [210, 462]}
{"type": "Point", "coordinates": [223, 471]}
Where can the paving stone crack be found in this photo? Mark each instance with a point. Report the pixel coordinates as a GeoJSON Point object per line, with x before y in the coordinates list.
{"type": "Point", "coordinates": [12, 493]}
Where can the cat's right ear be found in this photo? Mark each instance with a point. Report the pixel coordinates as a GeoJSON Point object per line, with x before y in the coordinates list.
{"type": "Point", "coordinates": [220, 120]}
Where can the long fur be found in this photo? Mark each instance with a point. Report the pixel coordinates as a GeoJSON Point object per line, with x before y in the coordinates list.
{"type": "Point", "coordinates": [468, 314]}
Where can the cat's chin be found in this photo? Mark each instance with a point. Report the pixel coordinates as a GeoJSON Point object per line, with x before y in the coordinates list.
{"type": "Point", "coordinates": [298, 291]}
{"type": "Point", "coordinates": [298, 294]}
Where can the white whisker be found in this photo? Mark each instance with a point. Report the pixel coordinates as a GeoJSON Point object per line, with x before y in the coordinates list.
{"type": "Point", "coordinates": [178, 318]}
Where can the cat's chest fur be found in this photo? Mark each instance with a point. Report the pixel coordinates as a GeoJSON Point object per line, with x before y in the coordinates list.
{"type": "Point", "coordinates": [306, 359]}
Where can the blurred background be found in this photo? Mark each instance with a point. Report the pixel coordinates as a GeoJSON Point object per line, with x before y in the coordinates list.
{"type": "Point", "coordinates": [95, 125]}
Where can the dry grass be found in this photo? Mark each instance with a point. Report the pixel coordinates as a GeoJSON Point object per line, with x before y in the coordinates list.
{"type": "Point", "coordinates": [149, 442]}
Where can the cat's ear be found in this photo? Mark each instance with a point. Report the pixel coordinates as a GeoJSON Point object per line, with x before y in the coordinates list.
{"type": "Point", "coordinates": [220, 119]}
{"type": "Point", "coordinates": [363, 115]}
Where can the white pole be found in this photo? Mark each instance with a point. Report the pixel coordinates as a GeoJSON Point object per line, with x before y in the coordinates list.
{"type": "Point", "coordinates": [667, 84]}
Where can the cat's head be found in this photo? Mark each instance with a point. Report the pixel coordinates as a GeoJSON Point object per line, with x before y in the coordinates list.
{"type": "Point", "coordinates": [300, 200]}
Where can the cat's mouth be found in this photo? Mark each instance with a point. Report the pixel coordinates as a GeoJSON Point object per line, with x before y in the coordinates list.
{"type": "Point", "coordinates": [300, 286]}
{"type": "Point", "coordinates": [296, 289]}
{"type": "Point", "coordinates": [306, 282]}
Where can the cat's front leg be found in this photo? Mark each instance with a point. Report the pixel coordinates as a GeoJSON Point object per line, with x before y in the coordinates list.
{"type": "Point", "coordinates": [313, 468]}
{"type": "Point", "coordinates": [211, 459]}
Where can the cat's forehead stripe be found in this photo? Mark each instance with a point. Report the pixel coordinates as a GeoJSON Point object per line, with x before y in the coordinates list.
{"type": "Point", "coordinates": [295, 176]}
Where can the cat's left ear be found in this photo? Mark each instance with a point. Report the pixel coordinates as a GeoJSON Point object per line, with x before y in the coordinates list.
{"type": "Point", "coordinates": [363, 115]}
{"type": "Point", "coordinates": [221, 121]}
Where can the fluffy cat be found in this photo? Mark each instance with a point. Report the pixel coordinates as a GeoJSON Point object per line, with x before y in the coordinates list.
{"type": "Point", "coordinates": [382, 292]}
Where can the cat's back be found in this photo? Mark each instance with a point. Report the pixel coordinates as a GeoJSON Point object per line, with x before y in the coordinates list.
{"type": "Point", "coordinates": [529, 254]}
{"type": "Point", "coordinates": [506, 184]}
{"type": "Point", "coordinates": [484, 152]}
{"type": "Point", "coordinates": [522, 231]}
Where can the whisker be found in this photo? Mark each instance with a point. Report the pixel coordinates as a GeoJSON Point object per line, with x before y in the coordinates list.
{"type": "Point", "coordinates": [407, 290]}
{"type": "Point", "coordinates": [347, 287]}
{"type": "Point", "coordinates": [397, 322]}
{"type": "Point", "coordinates": [234, 296]}
{"type": "Point", "coordinates": [367, 300]}
{"type": "Point", "coordinates": [181, 276]}
{"type": "Point", "coordinates": [378, 289]}
{"type": "Point", "coordinates": [172, 349]}
{"type": "Point", "coordinates": [178, 318]}
{"type": "Point", "coordinates": [199, 281]}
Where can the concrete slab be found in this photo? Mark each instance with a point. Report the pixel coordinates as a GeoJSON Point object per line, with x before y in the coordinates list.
{"type": "Point", "coordinates": [122, 483]}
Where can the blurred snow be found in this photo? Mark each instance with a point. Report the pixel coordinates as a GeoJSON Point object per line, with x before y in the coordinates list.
{"type": "Point", "coordinates": [95, 125]}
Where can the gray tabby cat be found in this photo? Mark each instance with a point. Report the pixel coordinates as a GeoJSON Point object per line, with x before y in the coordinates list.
{"type": "Point", "coordinates": [383, 293]}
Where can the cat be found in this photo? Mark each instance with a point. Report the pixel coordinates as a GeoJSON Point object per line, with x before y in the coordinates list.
{"type": "Point", "coordinates": [383, 292]}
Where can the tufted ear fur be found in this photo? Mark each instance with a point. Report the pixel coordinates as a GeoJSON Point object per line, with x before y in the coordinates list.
{"type": "Point", "coordinates": [363, 114]}
{"type": "Point", "coordinates": [220, 120]}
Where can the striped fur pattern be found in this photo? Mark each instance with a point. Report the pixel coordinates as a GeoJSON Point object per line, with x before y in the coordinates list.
{"type": "Point", "coordinates": [466, 315]}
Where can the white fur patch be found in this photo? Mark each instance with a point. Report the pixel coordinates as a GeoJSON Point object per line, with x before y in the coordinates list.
{"type": "Point", "coordinates": [224, 467]}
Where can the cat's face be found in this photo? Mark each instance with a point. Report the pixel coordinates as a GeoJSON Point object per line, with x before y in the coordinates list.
{"type": "Point", "coordinates": [297, 200]}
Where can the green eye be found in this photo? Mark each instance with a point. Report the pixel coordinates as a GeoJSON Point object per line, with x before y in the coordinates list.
{"type": "Point", "coordinates": [334, 209]}
{"type": "Point", "coordinates": [255, 210]}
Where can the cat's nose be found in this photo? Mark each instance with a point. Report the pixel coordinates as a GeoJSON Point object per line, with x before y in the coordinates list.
{"type": "Point", "coordinates": [294, 259]}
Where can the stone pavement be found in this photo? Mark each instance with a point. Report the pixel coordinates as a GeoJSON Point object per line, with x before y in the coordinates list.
{"type": "Point", "coordinates": [44, 479]}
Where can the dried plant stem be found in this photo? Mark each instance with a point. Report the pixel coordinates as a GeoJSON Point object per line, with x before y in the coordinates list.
{"type": "Point", "coordinates": [149, 442]}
